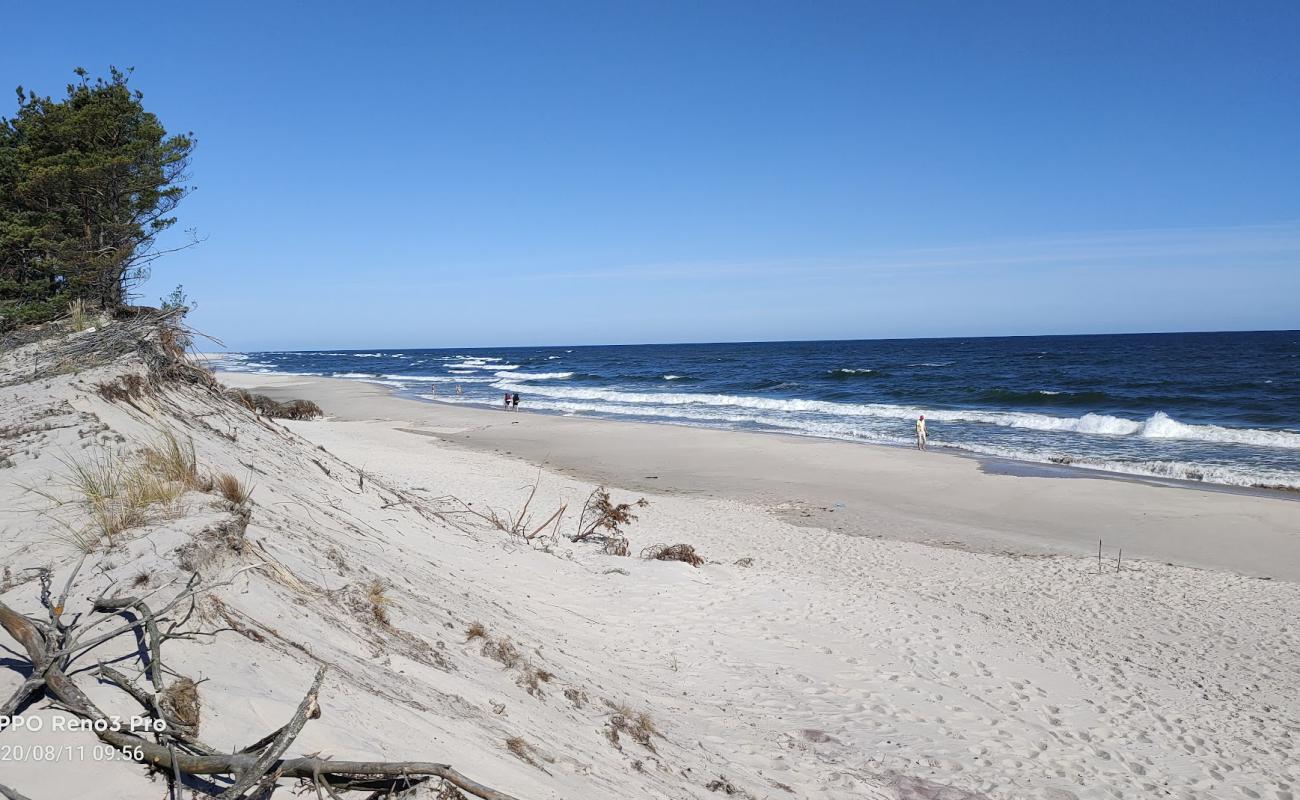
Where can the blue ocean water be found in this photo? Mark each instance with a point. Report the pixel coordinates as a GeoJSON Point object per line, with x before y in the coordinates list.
{"type": "Point", "coordinates": [1215, 407]}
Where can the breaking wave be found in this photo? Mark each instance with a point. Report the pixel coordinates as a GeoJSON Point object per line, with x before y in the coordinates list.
{"type": "Point", "coordinates": [1157, 426]}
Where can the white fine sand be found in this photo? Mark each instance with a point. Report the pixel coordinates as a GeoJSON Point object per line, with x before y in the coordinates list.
{"type": "Point", "coordinates": [852, 658]}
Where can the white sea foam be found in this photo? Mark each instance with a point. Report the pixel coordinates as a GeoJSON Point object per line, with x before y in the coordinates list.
{"type": "Point", "coordinates": [352, 374]}
{"type": "Point", "coordinates": [673, 377]}
{"type": "Point", "coordinates": [536, 376]}
{"type": "Point", "coordinates": [844, 429]}
{"type": "Point", "coordinates": [1158, 426]}
{"type": "Point", "coordinates": [1162, 426]}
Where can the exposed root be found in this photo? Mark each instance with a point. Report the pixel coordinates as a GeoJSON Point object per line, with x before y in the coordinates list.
{"type": "Point", "coordinates": [51, 645]}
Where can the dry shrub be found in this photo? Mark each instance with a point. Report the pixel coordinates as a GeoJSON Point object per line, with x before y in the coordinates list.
{"type": "Point", "coordinates": [476, 630]}
{"type": "Point", "coordinates": [298, 409]}
{"type": "Point", "coordinates": [602, 519]}
{"type": "Point", "coordinates": [231, 488]}
{"type": "Point", "coordinates": [126, 389]}
{"type": "Point", "coordinates": [294, 409]}
{"type": "Point", "coordinates": [673, 552]}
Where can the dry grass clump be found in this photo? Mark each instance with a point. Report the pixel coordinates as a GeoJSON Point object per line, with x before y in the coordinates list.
{"type": "Point", "coordinates": [294, 409]}
{"type": "Point", "coordinates": [173, 461]}
{"type": "Point", "coordinates": [638, 726]}
{"type": "Point", "coordinates": [502, 650]}
{"type": "Point", "coordinates": [576, 696]}
{"type": "Point", "coordinates": [673, 552]}
{"type": "Point", "coordinates": [79, 315]}
{"type": "Point", "coordinates": [377, 597]}
{"type": "Point", "coordinates": [231, 488]}
{"type": "Point", "coordinates": [118, 495]}
{"type": "Point", "coordinates": [528, 753]}
{"type": "Point", "coordinates": [120, 492]}
{"type": "Point", "coordinates": [531, 679]}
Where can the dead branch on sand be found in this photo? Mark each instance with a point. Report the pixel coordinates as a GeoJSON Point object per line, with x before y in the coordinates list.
{"type": "Point", "coordinates": [53, 644]}
{"type": "Point", "coordinates": [517, 525]}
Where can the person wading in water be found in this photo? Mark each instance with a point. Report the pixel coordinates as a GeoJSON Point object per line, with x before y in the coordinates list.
{"type": "Point", "coordinates": [920, 433]}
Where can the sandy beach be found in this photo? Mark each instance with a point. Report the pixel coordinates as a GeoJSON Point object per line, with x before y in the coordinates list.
{"type": "Point", "coordinates": [861, 490]}
{"type": "Point", "coordinates": [1001, 662]}
{"type": "Point", "coordinates": [824, 648]}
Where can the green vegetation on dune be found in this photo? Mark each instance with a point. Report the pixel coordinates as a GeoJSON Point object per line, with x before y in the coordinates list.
{"type": "Point", "coordinates": [87, 183]}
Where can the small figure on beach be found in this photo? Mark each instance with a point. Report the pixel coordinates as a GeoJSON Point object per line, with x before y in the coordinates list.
{"type": "Point", "coordinates": [459, 391]}
{"type": "Point", "coordinates": [515, 401]}
{"type": "Point", "coordinates": [507, 401]}
{"type": "Point", "coordinates": [920, 433]}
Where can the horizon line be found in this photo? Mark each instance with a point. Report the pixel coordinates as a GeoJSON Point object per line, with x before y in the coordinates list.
{"type": "Point", "coordinates": [792, 341]}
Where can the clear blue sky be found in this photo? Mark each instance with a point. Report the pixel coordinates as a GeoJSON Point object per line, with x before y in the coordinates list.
{"type": "Point", "coordinates": [457, 174]}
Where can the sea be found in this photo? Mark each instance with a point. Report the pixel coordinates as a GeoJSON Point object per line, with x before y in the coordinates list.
{"type": "Point", "coordinates": [1219, 408]}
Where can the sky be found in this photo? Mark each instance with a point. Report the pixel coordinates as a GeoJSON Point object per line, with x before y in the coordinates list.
{"type": "Point", "coordinates": [424, 174]}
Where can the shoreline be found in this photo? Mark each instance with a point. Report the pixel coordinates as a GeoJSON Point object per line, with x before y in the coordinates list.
{"type": "Point", "coordinates": [966, 502]}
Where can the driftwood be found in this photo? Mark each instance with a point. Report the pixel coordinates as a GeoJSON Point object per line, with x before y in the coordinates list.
{"type": "Point", "coordinates": [52, 645]}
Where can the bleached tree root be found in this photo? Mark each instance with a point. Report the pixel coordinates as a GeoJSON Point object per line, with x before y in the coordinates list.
{"type": "Point", "coordinates": [51, 645]}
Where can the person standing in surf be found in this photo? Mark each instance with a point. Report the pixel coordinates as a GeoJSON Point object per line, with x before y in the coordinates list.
{"type": "Point", "coordinates": [920, 433]}
{"type": "Point", "coordinates": [507, 401]}
{"type": "Point", "coordinates": [515, 401]}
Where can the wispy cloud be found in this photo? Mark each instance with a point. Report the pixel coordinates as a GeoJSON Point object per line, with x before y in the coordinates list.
{"type": "Point", "coordinates": [1195, 247]}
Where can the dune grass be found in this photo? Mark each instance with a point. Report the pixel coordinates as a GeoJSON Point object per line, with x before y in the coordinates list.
{"type": "Point", "coordinates": [231, 488]}
{"type": "Point", "coordinates": [79, 315]}
{"type": "Point", "coordinates": [120, 491]}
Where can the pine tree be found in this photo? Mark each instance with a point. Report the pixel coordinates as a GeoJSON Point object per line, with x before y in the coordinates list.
{"type": "Point", "coordinates": [87, 183]}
